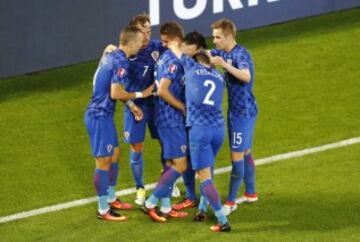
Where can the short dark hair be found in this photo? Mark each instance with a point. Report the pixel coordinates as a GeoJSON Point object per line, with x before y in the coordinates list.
{"type": "Point", "coordinates": [195, 38]}
{"type": "Point", "coordinates": [201, 56]}
{"type": "Point", "coordinates": [128, 34]}
{"type": "Point", "coordinates": [172, 30]}
{"type": "Point", "coordinates": [140, 19]}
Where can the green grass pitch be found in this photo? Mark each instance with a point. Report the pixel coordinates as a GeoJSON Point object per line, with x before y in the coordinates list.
{"type": "Point", "coordinates": [308, 90]}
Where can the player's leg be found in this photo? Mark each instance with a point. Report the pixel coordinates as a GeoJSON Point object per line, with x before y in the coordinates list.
{"type": "Point", "coordinates": [236, 140]}
{"type": "Point", "coordinates": [189, 182]}
{"type": "Point", "coordinates": [175, 192]}
{"type": "Point", "coordinates": [179, 165]}
{"type": "Point", "coordinates": [102, 135]}
{"type": "Point", "coordinates": [208, 188]}
{"type": "Point", "coordinates": [174, 147]}
{"type": "Point", "coordinates": [250, 194]}
{"type": "Point", "coordinates": [190, 199]}
{"type": "Point", "coordinates": [134, 133]}
{"type": "Point", "coordinates": [113, 201]}
{"type": "Point", "coordinates": [175, 150]}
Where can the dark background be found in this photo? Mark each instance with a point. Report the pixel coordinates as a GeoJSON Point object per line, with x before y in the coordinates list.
{"type": "Point", "coordinates": [41, 34]}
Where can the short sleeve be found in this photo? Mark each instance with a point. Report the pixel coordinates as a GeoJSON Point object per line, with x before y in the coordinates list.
{"type": "Point", "coordinates": [120, 74]}
{"type": "Point", "coordinates": [171, 70]}
{"type": "Point", "coordinates": [242, 61]}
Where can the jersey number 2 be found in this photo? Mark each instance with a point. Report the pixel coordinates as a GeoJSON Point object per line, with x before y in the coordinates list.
{"type": "Point", "coordinates": [210, 92]}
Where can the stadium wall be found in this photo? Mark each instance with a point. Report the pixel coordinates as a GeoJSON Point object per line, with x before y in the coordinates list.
{"type": "Point", "coordinates": [43, 34]}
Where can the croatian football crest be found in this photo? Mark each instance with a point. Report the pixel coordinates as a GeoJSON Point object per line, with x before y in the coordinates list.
{"type": "Point", "coordinates": [172, 68]}
{"type": "Point", "coordinates": [126, 135]}
{"type": "Point", "coordinates": [121, 72]}
{"type": "Point", "coordinates": [183, 148]}
{"type": "Point", "coordinates": [155, 55]}
{"type": "Point", "coordinates": [109, 148]}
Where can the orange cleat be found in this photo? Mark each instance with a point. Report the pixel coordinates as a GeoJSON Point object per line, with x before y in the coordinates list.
{"type": "Point", "coordinates": [117, 204]}
{"type": "Point", "coordinates": [111, 215]}
{"type": "Point", "coordinates": [175, 214]}
{"type": "Point", "coordinates": [186, 203]}
{"type": "Point", "coordinates": [153, 214]}
{"type": "Point", "coordinates": [221, 228]}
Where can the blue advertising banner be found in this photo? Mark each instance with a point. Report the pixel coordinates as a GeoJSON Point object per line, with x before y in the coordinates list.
{"type": "Point", "coordinates": [42, 34]}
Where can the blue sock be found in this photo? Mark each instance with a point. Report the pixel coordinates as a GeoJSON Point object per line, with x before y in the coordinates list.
{"type": "Point", "coordinates": [189, 181]}
{"type": "Point", "coordinates": [237, 174]}
{"type": "Point", "coordinates": [211, 194]}
{"type": "Point", "coordinates": [249, 176]}
{"type": "Point", "coordinates": [137, 168]}
{"type": "Point", "coordinates": [203, 204]}
{"type": "Point", "coordinates": [166, 183]}
{"type": "Point", "coordinates": [113, 176]}
{"type": "Point", "coordinates": [221, 217]}
{"type": "Point", "coordinates": [151, 201]}
{"type": "Point", "coordinates": [101, 183]}
{"type": "Point", "coordinates": [165, 205]}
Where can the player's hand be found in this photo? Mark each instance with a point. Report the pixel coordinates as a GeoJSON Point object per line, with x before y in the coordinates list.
{"type": "Point", "coordinates": [218, 61]}
{"type": "Point", "coordinates": [137, 112]}
{"type": "Point", "coordinates": [148, 91]}
{"type": "Point", "coordinates": [110, 48]}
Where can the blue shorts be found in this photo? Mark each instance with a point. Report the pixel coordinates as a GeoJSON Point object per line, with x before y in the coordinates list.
{"type": "Point", "coordinates": [205, 143]}
{"type": "Point", "coordinates": [102, 134]}
{"type": "Point", "coordinates": [241, 132]}
{"type": "Point", "coordinates": [173, 141]}
{"type": "Point", "coordinates": [134, 131]}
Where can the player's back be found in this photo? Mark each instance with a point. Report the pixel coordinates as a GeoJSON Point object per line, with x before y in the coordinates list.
{"type": "Point", "coordinates": [204, 94]}
{"type": "Point", "coordinates": [101, 103]}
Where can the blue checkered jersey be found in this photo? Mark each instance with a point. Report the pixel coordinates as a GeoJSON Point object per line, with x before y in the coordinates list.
{"type": "Point", "coordinates": [113, 68]}
{"type": "Point", "coordinates": [169, 67]}
{"type": "Point", "coordinates": [141, 72]}
{"type": "Point", "coordinates": [241, 101]}
{"type": "Point", "coordinates": [204, 91]}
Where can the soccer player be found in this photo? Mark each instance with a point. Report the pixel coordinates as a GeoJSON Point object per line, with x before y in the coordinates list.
{"type": "Point", "coordinates": [112, 70]}
{"type": "Point", "coordinates": [193, 43]}
{"type": "Point", "coordinates": [204, 87]}
{"type": "Point", "coordinates": [169, 120]}
{"type": "Point", "coordinates": [141, 75]}
{"type": "Point", "coordinates": [242, 109]}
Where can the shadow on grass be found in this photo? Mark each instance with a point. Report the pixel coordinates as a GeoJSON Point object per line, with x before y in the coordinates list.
{"type": "Point", "coordinates": [316, 212]}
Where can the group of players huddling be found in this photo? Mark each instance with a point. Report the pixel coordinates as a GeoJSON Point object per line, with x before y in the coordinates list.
{"type": "Point", "coordinates": [173, 87]}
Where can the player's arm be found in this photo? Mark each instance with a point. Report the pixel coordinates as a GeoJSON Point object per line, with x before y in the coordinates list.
{"type": "Point", "coordinates": [118, 93]}
{"type": "Point", "coordinates": [109, 48]}
{"type": "Point", "coordinates": [164, 93]}
{"type": "Point", "coordinates": [242, 74]}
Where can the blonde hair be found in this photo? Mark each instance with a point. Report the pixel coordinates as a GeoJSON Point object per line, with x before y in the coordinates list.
{"type": "Point", "coordinates": [140, 19]}
{"type": "Point", "coordinates": [128, 34]}
{"type": "Point", "coordinates": [227, 27]}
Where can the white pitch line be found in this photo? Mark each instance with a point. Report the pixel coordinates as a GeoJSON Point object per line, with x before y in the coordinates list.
{"type": "Point", "coordinates": [221, 170]}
